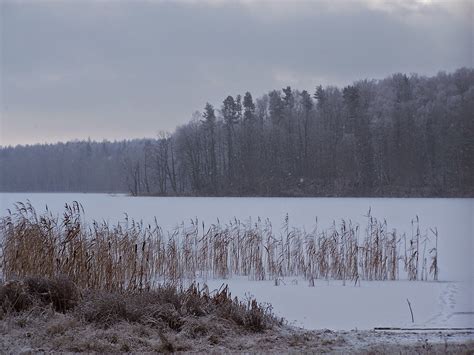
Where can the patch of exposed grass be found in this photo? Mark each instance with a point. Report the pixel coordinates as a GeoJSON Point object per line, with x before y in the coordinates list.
{"type": "Point", "coordinates": [167, 307]}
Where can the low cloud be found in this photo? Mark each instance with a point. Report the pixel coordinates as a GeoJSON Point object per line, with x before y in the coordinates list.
{"type": "Point", "coordinates": [153, 63]}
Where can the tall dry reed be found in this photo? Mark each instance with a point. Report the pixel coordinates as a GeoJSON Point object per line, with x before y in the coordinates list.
{"type": "Point", "coordinates": [133, 256]}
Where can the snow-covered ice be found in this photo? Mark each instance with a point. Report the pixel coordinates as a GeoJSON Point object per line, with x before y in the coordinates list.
{"type": "Point", "coordinates": [366, 306]}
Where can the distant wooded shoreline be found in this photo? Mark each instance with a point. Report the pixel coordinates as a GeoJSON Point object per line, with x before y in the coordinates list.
{"type": "Point", "coordinates": [403, 136]}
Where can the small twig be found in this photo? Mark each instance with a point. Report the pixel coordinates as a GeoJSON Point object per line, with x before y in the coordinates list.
{"type": "Point", "coordinates": [411, 311]}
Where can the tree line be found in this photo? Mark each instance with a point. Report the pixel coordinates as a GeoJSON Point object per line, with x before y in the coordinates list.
{"type": "Point", "coordinates": [399, 136]}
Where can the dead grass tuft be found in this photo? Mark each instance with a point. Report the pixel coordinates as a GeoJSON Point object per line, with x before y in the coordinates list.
{"type": "Point", "coordinates": [19, 296]}
{"type": "Point", "coordinates": [172, 308]}
{"type": "Point", "coordinates": [59, 291]}
{"type": "Point", "coordinates": [14, 297]}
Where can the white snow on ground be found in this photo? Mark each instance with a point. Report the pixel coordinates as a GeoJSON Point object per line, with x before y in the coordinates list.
{"type": "Point", "coordinates": [448, 303]}
{"type": "Point", "coordinates": [372, 304]}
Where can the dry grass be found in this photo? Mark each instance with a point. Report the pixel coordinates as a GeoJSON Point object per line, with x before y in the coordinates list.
{"type": "Point", "coordinates": [17, 296]}
{"type": "Point", "coordinates": [167, 307]}
{"type": "Point", "coordinates": [54, 313]}
{"type": "Point", "coordinates": [49, 332]}
{"type": "Point", "coordinates": [133, 256]}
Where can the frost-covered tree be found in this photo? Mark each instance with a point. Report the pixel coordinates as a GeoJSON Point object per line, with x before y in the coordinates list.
{"type": "Point", "coordinates": [399, 136]}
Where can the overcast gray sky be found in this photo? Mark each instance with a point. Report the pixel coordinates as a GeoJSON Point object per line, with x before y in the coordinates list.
{"type": "Point", "coordinates": [110, 69]}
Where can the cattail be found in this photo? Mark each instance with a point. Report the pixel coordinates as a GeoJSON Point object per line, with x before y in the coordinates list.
{"type": "Point", "coordinates": [132, 255]}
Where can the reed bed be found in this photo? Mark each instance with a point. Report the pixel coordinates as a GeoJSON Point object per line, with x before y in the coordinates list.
{"type": "Point", "coordinates": [133, 256]}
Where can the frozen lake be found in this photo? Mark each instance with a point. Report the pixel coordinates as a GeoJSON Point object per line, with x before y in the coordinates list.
{"type": "Point", "coordinates": [448, 303]}
{"type": "Point", "coordinates": [452, 217]}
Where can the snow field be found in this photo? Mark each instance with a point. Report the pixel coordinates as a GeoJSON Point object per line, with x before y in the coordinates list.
{"type": "Point", "coordinates": [366, 306]}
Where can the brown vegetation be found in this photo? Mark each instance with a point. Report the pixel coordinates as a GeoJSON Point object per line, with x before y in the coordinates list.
{"type": "Point", "coordinates": [167, 307]}
{"type": "Point", "coordinates": [167, 312]}
{"type": "Point", "coordinates": [134, 256]}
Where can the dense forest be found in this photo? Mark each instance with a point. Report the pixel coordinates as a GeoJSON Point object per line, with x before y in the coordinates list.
{"type": "Point", "coordinates": [399, 136]}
